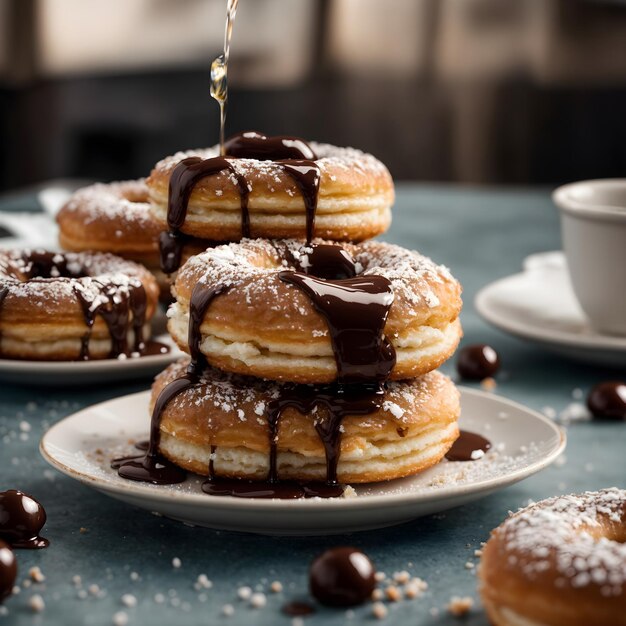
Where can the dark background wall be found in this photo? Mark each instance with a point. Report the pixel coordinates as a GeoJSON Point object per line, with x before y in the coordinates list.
{"type": "Point", "coordinates": [471, 103]}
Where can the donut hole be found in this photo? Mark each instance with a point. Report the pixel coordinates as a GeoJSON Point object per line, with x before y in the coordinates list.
{"type": "Point", "coordinates": [326, 261]}
{"type": "Point", "coordinates": [608, 530]}
{"type": "Point", "coordinates": [39, 264]}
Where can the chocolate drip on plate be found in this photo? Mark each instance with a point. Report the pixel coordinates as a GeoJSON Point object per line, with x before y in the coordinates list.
{"type": "Point", "coordinates": [468, 447]}
{"type": "Point", "coordinates": [152, 467]}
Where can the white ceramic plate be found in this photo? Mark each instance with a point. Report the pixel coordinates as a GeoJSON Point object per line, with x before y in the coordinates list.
{"type": "Point", "coordinates": [524, 442]}
{"type": "Point", "coordinates": [539, 304]}
{"type": "Point", "coordinates": [72, 373]}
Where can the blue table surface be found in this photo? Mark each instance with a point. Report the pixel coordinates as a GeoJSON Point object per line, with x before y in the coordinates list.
{"type": "Point", "coordinates": [482, 235]}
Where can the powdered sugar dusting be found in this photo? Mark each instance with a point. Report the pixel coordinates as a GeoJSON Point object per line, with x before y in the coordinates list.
{"type": "Point", "coordinates": [579, 535]}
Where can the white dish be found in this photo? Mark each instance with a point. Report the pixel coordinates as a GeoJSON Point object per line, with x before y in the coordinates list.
{"type": "Point", "coordinates": [539, 304]}
{"type": "Point", "coordinates": [524, 442]}
{"type": "Point", "coordinates": [71, 373]}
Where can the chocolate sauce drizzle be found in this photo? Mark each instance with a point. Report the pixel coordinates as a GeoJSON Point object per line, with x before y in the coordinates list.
{"type": "Point", "coordinates": [466, 445]}
{"type": "Point", "coordinates": [122, 307]}
{"type": "Point", "coordinates": [152, 467]}
{"type": "Point", "coordinates": [293, 154]}
{"type": "Point", "coordinates": [356, 310]}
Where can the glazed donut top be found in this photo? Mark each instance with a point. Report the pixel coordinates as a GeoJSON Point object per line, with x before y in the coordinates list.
{"type": "Point", "coordinates": [423, 292]}
{"type": "Point", "coordinates": [574, 541]}
{"type": "Point", "coordinates": [342, 171]}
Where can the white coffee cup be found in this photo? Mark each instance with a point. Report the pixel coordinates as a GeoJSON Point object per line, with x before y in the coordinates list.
{"type": "Point", "coordinates": [593, 229]}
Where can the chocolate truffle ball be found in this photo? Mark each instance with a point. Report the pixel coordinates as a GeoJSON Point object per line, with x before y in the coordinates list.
{"type": "Point", "coordinates": [477, 362]}
{"type": "Point", "coordinates": [8, 571]}
{"type": "Point", "coordinates": [342, 576]}
{"type": "Point", "coordinates": [608, 400]}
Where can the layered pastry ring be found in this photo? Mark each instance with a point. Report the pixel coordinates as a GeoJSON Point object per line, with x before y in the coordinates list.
{"type": "Point", "coordinates": [116, 218]}
{"type": "Point", "coordinates": [226, 415]}
{"type": "Point", "coordinates": [64, 306]}
{"type": "Point", "coordinates": [353, 202]}
{"type": "Point", "coordinates": [264, 327]}
{"type": "Point", "coordinates": [559, 562]}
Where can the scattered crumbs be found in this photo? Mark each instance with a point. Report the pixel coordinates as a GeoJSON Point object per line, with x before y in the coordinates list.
{"type": "Point", "coordinates": [488, 384]}
{"type": "Point", "coordinates": [297, 621]}
{"type": "Point", "coordinates": [176, 563]}
{"type": "Point", "coordinates": [549, 412]}
{"type": "Point", "coordinates": [228, 610]}
{"type": "Point", "coordinates": [83, 530]}
{"type": "Point", "coordinates": [94, 590]}
{"type": "Point", "coordinates": [244, 593]}
{"type": "Point", "coordinates": [402, 577]}
{"type": "Point", "coordinates": [159, 598]}
{"type": "Point", "coordinates": [380, 576]}
{"type": "Point", "coordinates": [460, 606]}
{"type": "Point", "coordinates": [36, 603]}
{"type": "Point", "coordinates": [120, 619]}
{"type": "Point", "coordinates": [574, 412]}
{"type": "Point", "coordinates": [25, 426]}
{"type": "Point", "coordinates": [81, 594]}
{"type": "Point", "coordinates": [129, 600]}
{"type": "Point", "coordinates": [16, 589]}
{"type": "Point", "coordinates": [478, 552]}
{"type": "Point", "coordinates": [469, 565]}
{"type": "Point", "coordinates": [26, 583]}
{"type": "Point", "coordinates": [276, 586]}
{"type": "Point", "coordinates": [377, 594]}
{"type": "Point", "coordinates": [392, 593]}
{"type": "Point", "coordinates": [134, 576]}
{"type": "Point", "coordinates": [36, 574]}
{"type": "Point", "coordinates": [349, 492]}
{"type": "Point", "coordinates": [203, 582]}
{"type": "Point", "coordinates": [258, 600]}
{"type": "Point", "coordinates": [379, 610]}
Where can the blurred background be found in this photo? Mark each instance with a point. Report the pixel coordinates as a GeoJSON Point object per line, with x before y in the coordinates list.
{"type": "Point", "coordinates": [468, 91]}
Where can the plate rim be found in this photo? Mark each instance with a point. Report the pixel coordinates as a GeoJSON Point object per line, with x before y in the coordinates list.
{"type": "Point", "coordinates": [151, 492]}
{"type": "Point", "coordinates": [556, 338]}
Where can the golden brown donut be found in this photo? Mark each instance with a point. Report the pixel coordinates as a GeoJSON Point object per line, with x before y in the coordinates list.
{"type": "Point", "coordinates": [115, 217]}
{"type": "Point", "coordinates": [559, 562]}
{"type": "Point", "coordinates": [412, 431]}
{"type": "Point", "coordinates": [354, 202]}
{"type": "Point", "coordinates": [263, 327]}
{"type": "Point", "coordinates": [48, 300]}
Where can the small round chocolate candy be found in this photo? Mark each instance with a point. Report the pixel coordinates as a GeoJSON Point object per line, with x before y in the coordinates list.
{"type": "Point", "coordinates": [608, 400]}
{"type": "Point", "coordinates": [477, 362]}
{"type": "Point", "coordinates": [8, 571]}
{"type": "Point", "coordinates": [342, 576]}
{"type": "Point", "coordinates": [21, 519]}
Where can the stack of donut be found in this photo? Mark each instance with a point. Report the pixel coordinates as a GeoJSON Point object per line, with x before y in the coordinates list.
{"type": "Point", "coordinates": [313, 351]}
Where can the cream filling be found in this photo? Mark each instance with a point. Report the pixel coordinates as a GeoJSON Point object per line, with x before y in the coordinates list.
{"type": "Point", "coordinates": [354, 217]}
{"type": "Point", "coordinates": [425, 342]}
{"type": "Point", "coordinates": [376, 458]}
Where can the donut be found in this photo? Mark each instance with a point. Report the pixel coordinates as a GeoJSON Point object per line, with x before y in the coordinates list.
{"type": "Point", "coordinates": [559, 562]}
{"type": "Point", "coordinates": [68, 306]}
{"type": "Point", "coordinates": [115, 217]}
{"type": "Point", "coordinates": [226, 416]}
{"type": "Point", "coordinates": [349, 195]}
{"type": "Point", "coordinates": [263, 326]}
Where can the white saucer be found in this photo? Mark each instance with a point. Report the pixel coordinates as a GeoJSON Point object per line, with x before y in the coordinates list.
{"type": "Point", "coordinates": [524, 442]}
{"type": "Point", "coordinates": [71, 373]}
{"type": "Point", "coordinates": [539, 304]}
